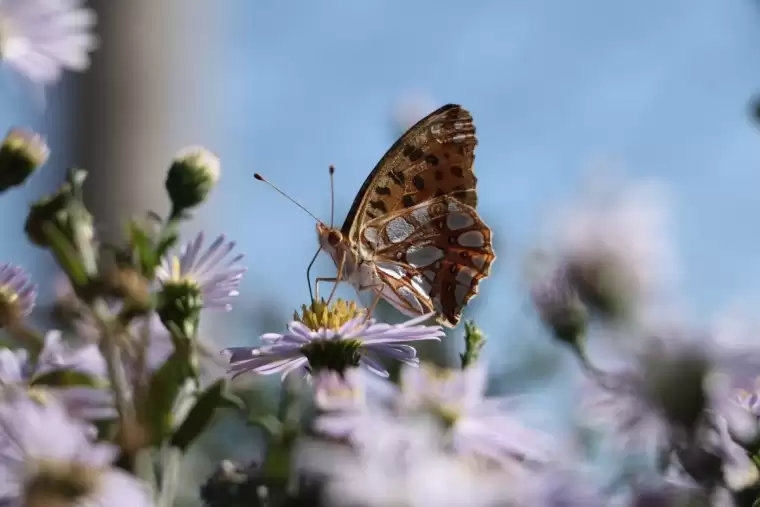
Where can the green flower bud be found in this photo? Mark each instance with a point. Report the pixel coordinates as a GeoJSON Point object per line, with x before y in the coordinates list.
{"type": "Point", "coordinates": [474, 339]}
{"type": "Point", "coordinates": [180, 304]}
{"type": "Point", "coordinates": [56, 210]}
{"type": "Point", "coordinates": [192, 176]}
{"type": "Point", "coordinates": [21, 153]}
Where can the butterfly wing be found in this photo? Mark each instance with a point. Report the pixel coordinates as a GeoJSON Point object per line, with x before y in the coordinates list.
{"type": "Point", "coordinates": [432, 255]}
{"type": "Point", "coordinates": [433, 158]}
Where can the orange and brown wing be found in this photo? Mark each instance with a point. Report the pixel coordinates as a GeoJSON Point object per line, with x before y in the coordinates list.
{"type": "Point", "coordinates": [440, 248]}
{"type": "Point", "coordinates": [433, 158]}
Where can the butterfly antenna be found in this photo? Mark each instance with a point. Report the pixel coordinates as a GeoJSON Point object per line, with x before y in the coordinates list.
{"type": "Point", "coordinates": [332, 195]}
{"type": "Point", "coordinates": [286, 196]}
{"type": "Point", "coordinates": [308, 273]}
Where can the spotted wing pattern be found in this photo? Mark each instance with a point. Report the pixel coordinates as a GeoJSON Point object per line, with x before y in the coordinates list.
{"type": "Point", "coordinates": [416, 212]}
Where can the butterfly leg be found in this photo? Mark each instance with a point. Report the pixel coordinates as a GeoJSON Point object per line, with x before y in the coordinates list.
{"type": "Point", "coordinates": [335, 281]}
{"type": "Point", "coordinates": [341, 266]}
{"type": "Point", "coordinates": [372, 307]}
{"type": "Point", "coordinates": [322, 279]}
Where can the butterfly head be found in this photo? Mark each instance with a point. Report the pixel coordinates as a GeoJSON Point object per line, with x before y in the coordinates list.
{"type": "Point", "coordinates": [329, 237]}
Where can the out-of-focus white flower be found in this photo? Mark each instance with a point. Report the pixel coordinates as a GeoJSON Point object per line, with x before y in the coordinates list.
{"type": "Point", "coordinates": [402, 462]}
{"type": "Point", "coordinates": [478, 427]}
{"type": "Point", "coordinates": [88, 403]}
{"type": "Point", "coordinates": [47, 459]}
{"type": "Point", "coordinates": [671, 387]}
{"type": "Point", "coordinates": [41, 38]}
{"type": "Point", "coordinates": [561, 487]}
{"type": "Point", "coordinates": [615, 248]}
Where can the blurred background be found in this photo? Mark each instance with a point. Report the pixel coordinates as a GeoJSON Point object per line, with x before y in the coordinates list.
{"type": "Point", "coordinates": [651, 89]}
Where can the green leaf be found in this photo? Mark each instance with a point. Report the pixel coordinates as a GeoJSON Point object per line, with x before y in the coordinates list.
{"type": "Point", "coordinates": [66, 378]}
{"type": "Point", "coordinates": [165, 385]}
{"type": "Point", "coordinates": [199, 417]}
{"type": "Point", "coordinates": [67, 256]}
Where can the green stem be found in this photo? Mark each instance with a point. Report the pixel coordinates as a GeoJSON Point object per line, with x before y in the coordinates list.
{"type": "Point", "coordinates": [170, 465]}
{"type": "Point", "coordinates": [116, 374]}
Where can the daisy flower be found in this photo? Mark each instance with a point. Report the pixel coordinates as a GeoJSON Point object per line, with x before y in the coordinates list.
{"type": "Point", "coordinates": [206, 272]}
{"type": "Point", "coordinates": [47, 458]}
{"type": "Point", "coordinates": [336, 337]}
{"type": "Point", "coordinates": [40, 39]}
{"type": "Point", "coordinates": [17, 295]}
{"type": "Point", "coordinates": [88, 403]}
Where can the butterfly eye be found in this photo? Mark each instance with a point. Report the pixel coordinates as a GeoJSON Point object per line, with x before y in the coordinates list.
{"type": "Point", "coordinates": [334, 238]}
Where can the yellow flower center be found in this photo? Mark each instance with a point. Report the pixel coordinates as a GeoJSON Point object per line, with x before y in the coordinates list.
{"type": "Point", "coordinates": [320, 315]}
{"type": "Point", "coordinates": [59, 484]}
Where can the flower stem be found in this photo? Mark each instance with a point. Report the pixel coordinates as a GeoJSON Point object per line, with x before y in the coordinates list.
{"type": "Point", "coordinates": [171, 460]}
{"type": "Point", "coordinates": [112, 355]}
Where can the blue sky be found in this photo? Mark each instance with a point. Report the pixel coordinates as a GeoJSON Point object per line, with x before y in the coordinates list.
{"type": "Point", "coordinates": [658, 88]}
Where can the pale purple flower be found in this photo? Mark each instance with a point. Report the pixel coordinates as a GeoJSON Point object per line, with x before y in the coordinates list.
{"type": "Point", "coordinates": [562, 487]}
{"type": "Point", "coordinates": [40, 39]}
{"type": "Point", "coordinates": [17, 294]}
{"type": "Point", "coordinates": [477, 426]}
{"type": "Point", "coordinates": [357, 342]}
{"type": "Point", "coordinates": [404, 461]}
{"type": "Point", "coordinates": [44, 455]}
{"type": "Point", "coordinates": [216, 276]}
{"type": "Point", "coordinates": [89, 403]}
{"type": "Point", "coordinates": [667, 390]}
{"type": "Point", "coordinates": [615, 248]}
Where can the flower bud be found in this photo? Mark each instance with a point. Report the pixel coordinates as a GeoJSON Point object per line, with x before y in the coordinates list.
{"type": "Point", "coordinates": [55, 210]}
{"type": "Point", "coordinates": [560, 307]}
{"type": "Point", "coordinates": [21, 153]}
{"type": "Point", "coordinates": [192, 175]}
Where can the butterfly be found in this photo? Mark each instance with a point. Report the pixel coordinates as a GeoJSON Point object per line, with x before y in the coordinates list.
{"type": "Point", "coordinates": [412, 235]}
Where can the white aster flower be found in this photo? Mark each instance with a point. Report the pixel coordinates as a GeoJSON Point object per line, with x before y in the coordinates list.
{"type": "Point", "coordinates": [89, 403]}
{"type": "Point", "coordinates": [402, 462]}
{"type": "Point", "coordinates": [41, 38]}
{"type": "Point", "coordinates": [47, 459]}
{"type": "Point", "coordinates": [208, 271]}
{"type": "Point", "coordinates": [477, 427]}
{"type": "Point", "coordinates": [336, 337]}
{"type": "Point", "coordinates": [668, 390]}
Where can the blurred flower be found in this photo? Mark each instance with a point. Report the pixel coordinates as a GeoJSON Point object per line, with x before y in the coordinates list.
{"type": "Point", "coordinates": [193, 280]}
{"type": "Point", "coordinates": [41, 38]}
{"type": "Point", "coordinates": [561, 487]}
{"type": "Point", "coordinates": [667, 392]}
{"type": "Point", "coordinates": [715, 459]}
{"type": "Point", "coordinates": [87, 403]}
{"type": "Point", "coordinates": [17, 295]}
{"type": "Point", "coordinates": [21, 153]}
{"type": "Point", "coordinates": [193, 174]}
{"type": "Point", "coordinates": [749, 400]}
{"type": "Point", "coordinates": [402, 462]}
{"type": "Point", "coordinates": [336, 337]}
{"type": "Point", "coordinates": [477, 427]}
{"type": "Point", "coordinates": [49, 460]}
{"type": "Point", "coordinates": [615, 253]}
{"type": "Point", "coordinates": [560, 307]}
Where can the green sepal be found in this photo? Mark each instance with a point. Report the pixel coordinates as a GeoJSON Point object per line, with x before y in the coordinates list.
{"type": "Point", "coordinates": [197, 420]}
{"type": "Point", "coordinates": [67, 378]}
